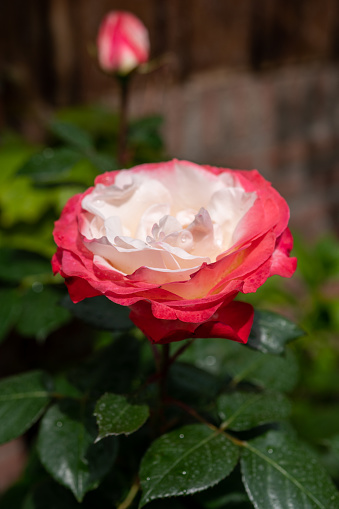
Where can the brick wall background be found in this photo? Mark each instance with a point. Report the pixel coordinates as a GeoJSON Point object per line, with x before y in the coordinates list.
{"type": "Point", "coordinates": [250, 84]}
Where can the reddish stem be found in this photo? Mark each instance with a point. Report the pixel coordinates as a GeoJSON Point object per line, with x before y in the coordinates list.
{"type": "Point", "coordinates": [122, 134]}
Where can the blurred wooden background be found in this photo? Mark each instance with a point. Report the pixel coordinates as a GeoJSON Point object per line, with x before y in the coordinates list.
{"type": "Point", "coordinates": [253, 83]}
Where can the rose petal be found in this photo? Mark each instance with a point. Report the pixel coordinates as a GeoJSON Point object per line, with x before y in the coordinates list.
{"type": "Point", "coordinates": [233, 321]}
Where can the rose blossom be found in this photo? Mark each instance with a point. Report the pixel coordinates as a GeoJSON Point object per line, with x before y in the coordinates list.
{"type": "Point", "coordinates": [175, 242]}
{"type": "Point", "coordinates": [123, 42]}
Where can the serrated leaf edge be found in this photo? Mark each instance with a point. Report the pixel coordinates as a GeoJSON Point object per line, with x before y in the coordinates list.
{"type": "Point", "coordinates": [145, 499]}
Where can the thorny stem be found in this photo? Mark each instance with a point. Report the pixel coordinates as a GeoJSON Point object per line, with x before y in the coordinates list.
{"type": "Point", "coordinates": [130, 495]}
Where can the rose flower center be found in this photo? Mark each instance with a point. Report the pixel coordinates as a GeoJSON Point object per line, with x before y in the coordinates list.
{"type": "Point", "coordinates": [167, 223]}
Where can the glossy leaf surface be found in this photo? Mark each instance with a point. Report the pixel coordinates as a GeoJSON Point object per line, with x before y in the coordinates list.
{"type": "Point", "coordinates": [245, 410]}
{"type": "Point", "coordinates": [116, 416]}
{"type": "Point", "coordinates": [281, 473]}
{"type": "Point", "coordinates": [270, 332]}
{"type": "Point", "coordinates": [220, 357]}
{"type": "Point", "coordinates": [67, 450]}
{"type": "Point", "coordinates": [185, 461]}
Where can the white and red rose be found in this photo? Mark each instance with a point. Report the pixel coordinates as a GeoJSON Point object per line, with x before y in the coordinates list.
{"type": "Point", "coordinates": [176, 242]}
{"type": "Point", "coordinates": [123, 42]}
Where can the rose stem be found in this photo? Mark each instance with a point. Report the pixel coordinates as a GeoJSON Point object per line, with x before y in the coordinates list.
{"type": "Point", "coordinates": [156, 356]}
{"type": "Point", "coordinates": [161, 377]}
{"type": "Point", "coordinates": [130, 495]}
{"type": "Point", "coordinates": [122, 133]}
{"type": "Point", "coordinates": [180, 351]}
{"type": "Point", "coordinates": [164, 365]}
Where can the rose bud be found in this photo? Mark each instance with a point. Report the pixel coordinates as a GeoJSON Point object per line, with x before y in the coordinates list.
{"type": "Point", "coordinates": [123, 43]}
{"type": "Point", "coordinates": [176, 242]}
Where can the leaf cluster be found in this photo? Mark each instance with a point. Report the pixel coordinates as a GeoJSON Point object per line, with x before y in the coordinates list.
{"type": "Point", "coordinates": [114, 432]}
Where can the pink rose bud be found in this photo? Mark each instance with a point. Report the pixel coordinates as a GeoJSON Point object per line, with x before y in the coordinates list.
{"type": "Point", "coordinates": [123, 42]}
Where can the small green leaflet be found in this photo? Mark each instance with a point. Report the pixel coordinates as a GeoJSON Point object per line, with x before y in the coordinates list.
{"type": "Point", "coordinates": [116, 416]}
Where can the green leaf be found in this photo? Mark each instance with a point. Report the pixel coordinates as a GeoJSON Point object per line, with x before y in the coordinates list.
{"type": "Point", "coordinates": [101, 313]}
{"type": "Point", "coordinates": [72, 134]}
{"type": "Point", "coordinates": [16, 265]}
{"type": "Point", "coordinates": [191, 384]}
{"type": "Point", "coordinates": [116, 416]}
{"type": "Point", "coordinates": [23, 399]}
{"type": "Point", "coordinates": [279, 373]}
{"type": "Point", "coordinates": [271, 332]}
{"type": "Point", "coordinates": [9, 310]}
{"type": "Point", "coordinates": [102, 162]}
{"type": "Point", "coordinates": [279, 472]}
{"type": "Point", "coordinates": [41, 313]}
{"type": "Point", "coordinates": [185, 461]}
{"type": "Point", "coordinates": [67, 450]}
{"type": "Point", "coordinates": [244, 410]}
{"type": "Point", "coordinates": [227, 358]}
{"type": "Point", "coordinates": [51, 165]}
